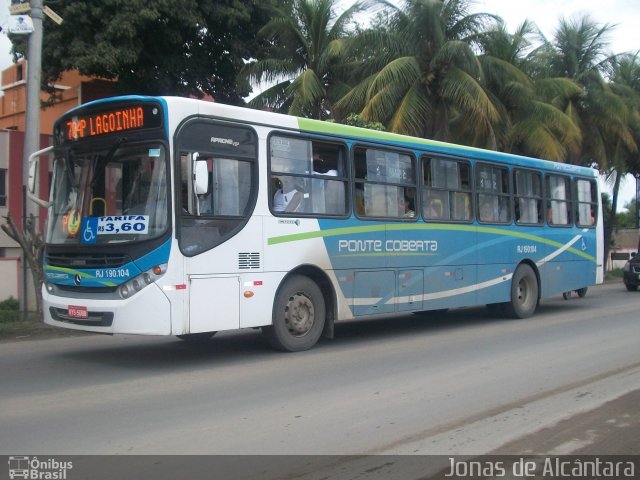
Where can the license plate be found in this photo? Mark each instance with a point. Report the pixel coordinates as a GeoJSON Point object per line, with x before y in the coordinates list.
{"type": "Point", "coordinates": [77, 312]}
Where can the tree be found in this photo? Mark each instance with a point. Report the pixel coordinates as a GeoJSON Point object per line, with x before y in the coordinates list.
{"type": "Point", "coordinates": [531, 124]}
{"type": "Point", "coordinates": [625, 77]}
{"type": "Point", "coordinates": [579, 53]}
{"type": "Point", "coordinates": [305, 44]}
{"type": "Point", "coordinates": [419, 74]}
{"type": "Point", "coordinates": [627, 219]}
{"type": "Point", "coordinates": [173, 47]}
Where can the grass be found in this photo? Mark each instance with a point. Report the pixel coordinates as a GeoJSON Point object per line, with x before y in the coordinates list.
{"type": "Point", "coordinates": [615, 274]}
{"type": "Point", "coordinates": [15, 325]}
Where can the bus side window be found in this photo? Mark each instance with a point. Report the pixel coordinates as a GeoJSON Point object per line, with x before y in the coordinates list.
{"type": "Point", "coordinates": [586, 202]}
{"type": "Point", "coordinates": [527, 200]}
{"type": "Point", "coordinates": [387, 181]}
{"type": "Point", "coordinates": [492, 185]}
{"type": "Point", "coordinates": [559, 199]}
{"type": "Point", "coordinates": [316, 170]}
{"type": "Point", "coordinates": [447, 189]}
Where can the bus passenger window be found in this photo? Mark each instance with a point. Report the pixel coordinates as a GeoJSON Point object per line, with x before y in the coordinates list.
{"type": "Point", "coordinates": [447, 192]}
{"type": "Point", "coordinates": [587, 202]}
{"type": "Point", "coordinates": [492, 184]}
{"type": "Point", "coordinates": [385, 181]}
{"type": "Point", "coordinates": [559, 198]}
{"type": "Point", "coordinates": [316, 170]}
{"type": "Point", "coordinates": [527, 201]}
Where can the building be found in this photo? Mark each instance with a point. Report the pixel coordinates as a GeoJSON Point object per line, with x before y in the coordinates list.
{"type": "Point", "coordinates": [71, 90]}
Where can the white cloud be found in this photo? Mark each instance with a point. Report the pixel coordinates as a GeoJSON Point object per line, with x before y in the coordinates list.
{"type": "Point", "coordinates": [624, 14]}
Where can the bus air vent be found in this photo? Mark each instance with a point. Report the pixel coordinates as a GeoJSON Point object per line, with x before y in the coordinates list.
{"type": "Point", "coordinates": [248, 260]}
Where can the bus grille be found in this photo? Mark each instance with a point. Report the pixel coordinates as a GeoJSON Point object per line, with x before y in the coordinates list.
{"type": "Point", "coordinates": [248, 260]}
{"type": "Point", "coordinates": [76, 260]}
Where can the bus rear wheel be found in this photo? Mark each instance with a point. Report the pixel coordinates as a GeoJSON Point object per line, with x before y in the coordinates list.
{"type": "Point", "coordinates": [524, 293]}
{"type": "Point", "coordinates": [298, 315]}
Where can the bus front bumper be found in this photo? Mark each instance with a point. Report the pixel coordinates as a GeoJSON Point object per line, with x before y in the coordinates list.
{"type": "Point", "coordinates": [146, 313]}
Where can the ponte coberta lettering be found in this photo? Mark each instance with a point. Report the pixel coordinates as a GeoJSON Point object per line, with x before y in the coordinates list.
{"type": "Point", "coordinates": [383, 246]}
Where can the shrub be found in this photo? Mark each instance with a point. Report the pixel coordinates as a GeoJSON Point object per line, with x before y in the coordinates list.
{"type": "Point", "coordinates": [9, 310]}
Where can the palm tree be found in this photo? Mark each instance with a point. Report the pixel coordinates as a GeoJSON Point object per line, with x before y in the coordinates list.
{"type": "Point", "coordinates": [417, 72]}
{"type": "Point", "coordinates": [625, 82]}
{"type": "Point", "coordinates": [305, 44]}
{"type": "Point", "coordinates": [531, 124]}
{"type": "Point", "coordinates": [579, 53]}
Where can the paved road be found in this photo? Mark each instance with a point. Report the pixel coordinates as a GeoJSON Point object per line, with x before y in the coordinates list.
{"type": "Point", "coordinates": [465, 384]}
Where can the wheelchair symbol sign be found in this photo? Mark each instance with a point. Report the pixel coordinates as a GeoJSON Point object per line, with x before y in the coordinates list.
{"type": "Point", "coordinates": [89, 230]}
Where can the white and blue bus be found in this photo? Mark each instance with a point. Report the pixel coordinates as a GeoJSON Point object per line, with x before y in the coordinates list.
{"type": "Point", "coordinates": [174, 216]}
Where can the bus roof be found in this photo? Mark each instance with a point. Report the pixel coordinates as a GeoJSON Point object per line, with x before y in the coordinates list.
{"type": "Point", "coordinates": [189, 106]}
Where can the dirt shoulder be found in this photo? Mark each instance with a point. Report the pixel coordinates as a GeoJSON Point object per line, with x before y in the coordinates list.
{"type": "Point", "coordinates": [33, 328]}
{"type": "Point", "coordinates": [611, 429]}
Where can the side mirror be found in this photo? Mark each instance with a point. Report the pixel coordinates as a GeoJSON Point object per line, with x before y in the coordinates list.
{"type": "Point", "coordinates": [32, 184]}
{"type": "Point", "coordinates": [200, 177]}
{"type": "Point", "coordinates": [33, 171]}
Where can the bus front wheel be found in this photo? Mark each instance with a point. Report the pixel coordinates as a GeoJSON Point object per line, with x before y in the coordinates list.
{"type": "Point", "coordinates": [298, 315]}
{"type": "Point", "coordinates": [524, 293]}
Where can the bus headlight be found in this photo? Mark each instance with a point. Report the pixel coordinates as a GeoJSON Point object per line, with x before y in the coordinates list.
{"type": "Point", "coordinates": [133, 286]}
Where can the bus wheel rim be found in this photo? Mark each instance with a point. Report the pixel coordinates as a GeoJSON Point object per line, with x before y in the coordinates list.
{"type": "Point", "coordinates": [299, 315]}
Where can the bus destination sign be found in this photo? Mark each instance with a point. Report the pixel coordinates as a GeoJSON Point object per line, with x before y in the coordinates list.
{"type": "Point", "coordinates": [122, 119]}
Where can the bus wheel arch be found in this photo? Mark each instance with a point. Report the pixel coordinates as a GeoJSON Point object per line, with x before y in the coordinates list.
{"type": "Point", "coordinates": [302, 310]}
{"type": "Point", "coordinates": [525, 291]}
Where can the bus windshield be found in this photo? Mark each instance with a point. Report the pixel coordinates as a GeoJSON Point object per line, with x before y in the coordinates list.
{"type": "Point", "coordinates": [117, 194]}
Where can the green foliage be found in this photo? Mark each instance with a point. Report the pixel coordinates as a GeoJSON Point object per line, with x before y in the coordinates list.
{"type": "Point", "coordinates": [169, 47]}
{"type": "Point", "coordinates": [418, 73]}
{"type": "Point", "coordinates": [303, 58]}
{"type": "Point", "coordinates": [356, 120]}
{"type": "Point", "coordinates": [627, 219]}
{"type": "Point", "coordinates": [9, 310]}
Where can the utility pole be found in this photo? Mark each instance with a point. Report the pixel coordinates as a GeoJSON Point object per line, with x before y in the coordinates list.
{"type": "Point", "coordinates": [32, 114]}
{"type": "Point", "coordinates": [31, 126]}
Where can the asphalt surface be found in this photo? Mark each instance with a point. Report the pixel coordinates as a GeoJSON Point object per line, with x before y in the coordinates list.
{"type": "Point", "coordinates": [565, 382]}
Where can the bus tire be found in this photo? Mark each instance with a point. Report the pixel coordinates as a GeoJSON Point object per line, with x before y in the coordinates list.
{"type": "Point", "coordinates": [196, 337]}
{"type": "Point", "coordinates": [298, 315]}
{"type": "Point", "coordinates": [524, 293]}
{"type": "Point", "coordinates": [582, 292]}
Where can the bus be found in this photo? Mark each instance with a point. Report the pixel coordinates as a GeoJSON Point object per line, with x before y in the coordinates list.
{"type": "Point", "coordinates": [175, 216]}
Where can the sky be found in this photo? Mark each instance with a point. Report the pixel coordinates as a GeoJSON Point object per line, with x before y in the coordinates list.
{"type": "Point", "coordinates": [624, 14]}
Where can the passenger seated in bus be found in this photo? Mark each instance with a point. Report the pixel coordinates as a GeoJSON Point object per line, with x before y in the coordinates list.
{"type": "Point", "coordinates": [406, 208]}
{"type": "Point", "coordinates": [434, 209]}
{"type": "Point", "coordinates": [321, 167]}
{"type": "Point", "coordinates": [486, 212]}
{"type": "Point", "coordinates": [359, 203]}
{"type": "Point", "coordinates": [285, 202]}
